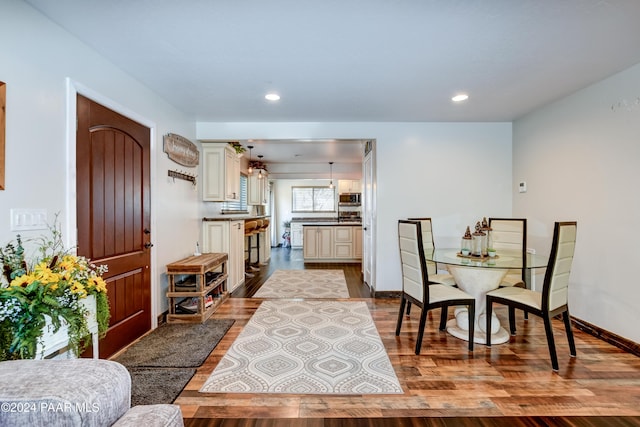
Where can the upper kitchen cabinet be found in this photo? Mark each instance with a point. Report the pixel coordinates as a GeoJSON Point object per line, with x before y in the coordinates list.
{"type": "Point", "coordinates": [221, 172]}
{"type": "Point", "coordinates": [349, 186]}
{"type": "Point", "coordinates": [258, 191]}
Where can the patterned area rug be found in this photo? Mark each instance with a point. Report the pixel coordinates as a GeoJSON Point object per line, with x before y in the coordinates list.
{"type": "Point", "coordinates": [306, 347]}
{"type": "Point", "coordinates": [304, 284]}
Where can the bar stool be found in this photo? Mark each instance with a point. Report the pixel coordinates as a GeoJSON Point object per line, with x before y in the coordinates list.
{"type": "Point", "coordinates": [249, 230]}
{"type": "Point", "coordinates": [256, 232]}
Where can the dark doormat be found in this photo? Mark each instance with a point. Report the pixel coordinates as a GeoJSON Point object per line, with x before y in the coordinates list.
{"type": "Point", "coordinates": [151, 386]}
{"type": "Point", "coordinates": [162, 363]}
{"type": "Point", "coordinates": [183, 345]}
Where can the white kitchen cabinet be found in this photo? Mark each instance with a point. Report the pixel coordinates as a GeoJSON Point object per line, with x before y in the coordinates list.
{"type": "Point", "coordinates": [227, 237]}
{"type": "Point", "coordinates": [258, 191]}
{"type": "Point", "coordinates": [220, 172]}
{"type": "Point", "coordinates": [332, 243]}
{"type": "Point", "coordinates": [232, 174]}
{"type": "Point", "coordinates": [265, 245]}
{"type": "Point", "coordinates": [349, 186]}
{"type": "Point", "coordinates": [318, 242]}
{"type": "Point", "coordinates": [297, 237]}
{"type": "Point", "coordinates": [357, 242]}
{"type": "Point", "coordinates": [343, 242]}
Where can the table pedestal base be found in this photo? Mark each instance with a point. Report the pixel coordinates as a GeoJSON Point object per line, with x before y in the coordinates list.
{"type": "Point", "coordinates": [479, 336]}
{"type": "Point", "coordinates": [477, 282]}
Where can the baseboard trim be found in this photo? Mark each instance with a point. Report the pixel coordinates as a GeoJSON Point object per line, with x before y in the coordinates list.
{"type": "Point", "coordinates": [606, 336]}
{"type": "Point", "coordinates": [387, 294]}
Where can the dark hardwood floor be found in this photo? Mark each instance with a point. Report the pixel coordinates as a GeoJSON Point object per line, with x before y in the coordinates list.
{"type": "Point", "coordinates": [292, 259]}
{"type": "Point", "coordinates": [507, 385]}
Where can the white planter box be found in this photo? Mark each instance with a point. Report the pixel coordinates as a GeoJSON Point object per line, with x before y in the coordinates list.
{"type": "Point", "coordinates": [52, 342]}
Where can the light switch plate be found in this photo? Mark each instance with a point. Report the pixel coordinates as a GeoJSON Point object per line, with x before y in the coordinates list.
{"type": "Point", "coordinates": [522, 187]}
{"type": "Point", "coordinates": [28, 219]}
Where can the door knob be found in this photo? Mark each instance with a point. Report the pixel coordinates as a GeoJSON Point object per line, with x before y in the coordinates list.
{"type": "Point", "coordinates": [148, 245]}
{"type": "Point", "coordinates": [147, 231]}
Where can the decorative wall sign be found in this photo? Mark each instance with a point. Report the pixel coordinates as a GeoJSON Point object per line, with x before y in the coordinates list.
{"type": "Point", "coordinates": [181, 150]}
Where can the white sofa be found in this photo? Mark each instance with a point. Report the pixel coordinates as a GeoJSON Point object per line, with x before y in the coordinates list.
{"type": "Point", "coordinates": [75, 392]}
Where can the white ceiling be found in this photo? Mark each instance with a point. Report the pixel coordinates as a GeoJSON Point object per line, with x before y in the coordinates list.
{"type": "Point", "coordinates": [358, 60]}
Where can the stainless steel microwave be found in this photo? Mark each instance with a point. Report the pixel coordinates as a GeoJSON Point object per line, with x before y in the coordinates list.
{"type": "Point", "coordinates": [350, 198]}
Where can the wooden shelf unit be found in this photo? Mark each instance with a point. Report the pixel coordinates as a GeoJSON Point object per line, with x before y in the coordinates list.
{"type": "Point", "coordinates": [198, 267]}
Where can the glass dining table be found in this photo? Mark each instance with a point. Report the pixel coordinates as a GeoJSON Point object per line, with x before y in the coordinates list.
{"type": "Point", "coordinates": [477, 276]}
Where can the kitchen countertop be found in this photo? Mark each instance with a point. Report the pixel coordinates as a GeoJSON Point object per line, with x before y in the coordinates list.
{"type": "Point", "coordinates": [313, 219]}
{"type": "Point", "coordinates": [234, 217]}
{"type": "Point", "coordinates": [331, 223]}
{"type": "Point", "coordinates": [320, 221]}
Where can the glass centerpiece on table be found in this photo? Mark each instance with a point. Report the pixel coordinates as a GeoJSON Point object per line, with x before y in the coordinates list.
{"type": "Point", "coordinates": [487, 246]}
{"type": "Point", "coordinates": [466, 243]}
{"type": "Point", "coordinates": [478, 240]}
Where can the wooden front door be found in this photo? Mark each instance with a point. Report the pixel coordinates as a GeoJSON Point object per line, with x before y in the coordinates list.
{"type": "Point", "coordinates": [113, 214]}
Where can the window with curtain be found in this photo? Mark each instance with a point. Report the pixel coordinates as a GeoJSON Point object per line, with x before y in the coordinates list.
{"type": "Point", "coordinates": [313, 199]}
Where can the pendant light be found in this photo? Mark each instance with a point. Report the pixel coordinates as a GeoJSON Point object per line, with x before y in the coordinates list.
{"type": "Point", "coordinates": [250, 170]}
{"type": "Point", "coordinates": [331, 174]}
{"type": "Point", "coordinates": [260, 176]}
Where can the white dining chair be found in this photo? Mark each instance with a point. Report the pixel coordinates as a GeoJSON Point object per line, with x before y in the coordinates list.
{"type": "Point", "coordinates": [417, 289]}
{"type": "Point", "coordinates": [432, 268]}
{"type": "Point", "coordinates": [428, 243]}
{"type": "Point", "coordinates": [511, 234]}
{"type": "Point", "coordinates": [554, 298]}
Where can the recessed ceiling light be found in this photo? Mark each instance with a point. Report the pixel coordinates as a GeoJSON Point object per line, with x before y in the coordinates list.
{"type": "Point", "coordinates": [272, 97]}
{"type": "Point", "coordinates": [460, 98]}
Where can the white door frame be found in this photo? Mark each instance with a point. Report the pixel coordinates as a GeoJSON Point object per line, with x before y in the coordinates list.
{"type": "Point", "coordinates": [369, 215]}
{"type": "Point", "coordinates": [71, 235]}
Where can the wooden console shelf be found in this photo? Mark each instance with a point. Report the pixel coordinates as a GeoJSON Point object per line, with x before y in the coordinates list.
{"type": "Point", "coordinates": [204, 280]}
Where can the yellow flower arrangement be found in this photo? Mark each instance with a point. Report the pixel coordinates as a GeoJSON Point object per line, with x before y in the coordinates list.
{"type": "Point", "coordinates": [53, 286]}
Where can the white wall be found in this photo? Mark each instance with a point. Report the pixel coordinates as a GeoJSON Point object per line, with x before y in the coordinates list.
{"type": "Point", "coordinates": [580, 157]}
{"type": "Point", "coordinates": [454, 172]}
{"type": "Point", "coordinates": [37, 59]}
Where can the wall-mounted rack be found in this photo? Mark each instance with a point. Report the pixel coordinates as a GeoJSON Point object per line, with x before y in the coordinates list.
{"type": "Point", "coordinates": [182, 175]}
